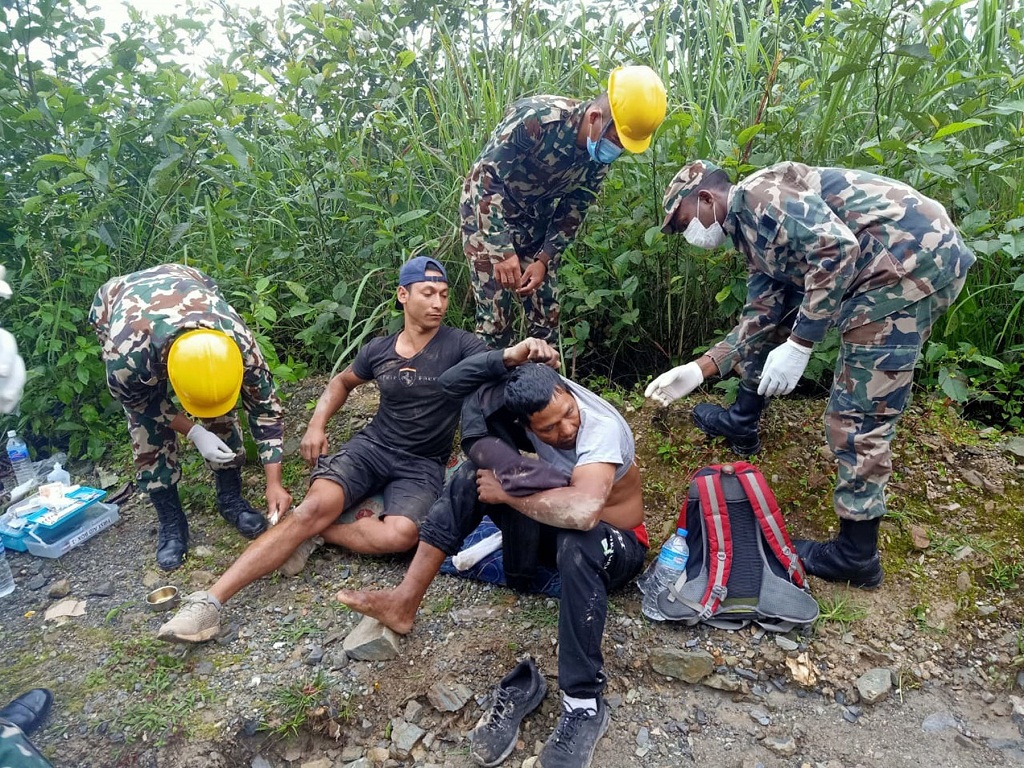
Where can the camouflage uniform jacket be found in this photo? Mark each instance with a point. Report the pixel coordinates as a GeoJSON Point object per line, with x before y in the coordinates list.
{"type": "Point", "coordinates": [859, 246]}
{"type": "Point", "coordinates": [138, 316]}
{"type": "Point", "coordinates": [531, 174]}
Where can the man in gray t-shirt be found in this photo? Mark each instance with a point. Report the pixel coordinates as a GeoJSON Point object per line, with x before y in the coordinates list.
{"type": "Point", "coordinates": [603, 436]}
{"type": "Point", "coordinates": [591, 530]}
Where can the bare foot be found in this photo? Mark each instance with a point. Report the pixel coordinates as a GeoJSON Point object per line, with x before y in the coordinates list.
{"type": "Point", "coordinates": [386, 606]}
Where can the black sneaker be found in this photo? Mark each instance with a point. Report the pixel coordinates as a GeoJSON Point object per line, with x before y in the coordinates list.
{"type": "Point", "coordinates": [517, 695]}
{"type": "Point", "coordinates": [575, 738]}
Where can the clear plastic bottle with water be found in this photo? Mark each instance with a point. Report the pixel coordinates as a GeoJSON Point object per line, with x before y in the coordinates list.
{"type": "Point", "coordinates": [666, 570]}
{"type": "Point", "coordinates": [6, 577]}
{"type": "Point", "coordinates": [17, 452]}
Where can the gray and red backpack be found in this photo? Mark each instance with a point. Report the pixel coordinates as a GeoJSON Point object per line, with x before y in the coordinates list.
{"type": "Point", "coordinates": [742, 567]}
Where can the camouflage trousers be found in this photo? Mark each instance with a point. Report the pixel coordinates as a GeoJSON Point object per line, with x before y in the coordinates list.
{"type": "Point", "coordinates": [16, 751]}
{"type": "Point", "coordinates": [155, 444]}
{"type": "Point", "coordinates": [874, 376]}
{"type": "Point", "coordinates": [495, 305]}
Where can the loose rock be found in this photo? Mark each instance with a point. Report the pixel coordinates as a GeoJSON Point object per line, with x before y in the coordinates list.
{"type": "Point", "coordinates": [688, 666]}
{"type": "Point", "coordinates": [59, 589]}
{"type": "Point", "coordinates": [448, 695]}
{"type": "Point", "coordinates": [874, 685]}
{"type": "Point", "coordinates": [371, 641]}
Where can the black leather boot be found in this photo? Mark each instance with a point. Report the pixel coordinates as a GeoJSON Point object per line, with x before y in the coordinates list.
{"type": "Point", "coordinates": [172, 541]}
{"type": "Point", "coordinates": [233, 507]}
{"type": "Point", "coordinates": [852, 556]}
{"type": "Point", "coordinates": [29, 710]}
{"type": "Point", "coordinates": [737, 424]}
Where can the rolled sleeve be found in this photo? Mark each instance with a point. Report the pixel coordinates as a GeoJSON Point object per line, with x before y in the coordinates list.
{"type": "Point", "coordinates": [763, 310]}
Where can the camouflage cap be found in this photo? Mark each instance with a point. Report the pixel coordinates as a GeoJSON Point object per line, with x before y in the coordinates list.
{"type": "Point", "coordinates": [683, 183]}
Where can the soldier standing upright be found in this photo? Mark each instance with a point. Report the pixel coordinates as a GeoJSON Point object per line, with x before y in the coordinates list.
{"type": "Point", "coordinates": [170, 324]}
{"type": "Point", "coordinates": [824, 247]}
{"type": "Point", "coordinates": [528, 191]}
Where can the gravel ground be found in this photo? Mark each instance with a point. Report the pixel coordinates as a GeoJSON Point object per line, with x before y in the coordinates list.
{"type": "Point", "coordinates": [944, 634]}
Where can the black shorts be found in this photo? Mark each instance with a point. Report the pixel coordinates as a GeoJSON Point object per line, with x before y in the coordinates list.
{"type": "Point", "coordinates": [410, 484]}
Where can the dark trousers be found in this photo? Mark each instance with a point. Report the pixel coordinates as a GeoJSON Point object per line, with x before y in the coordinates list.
{"type": "Point", "coordinates": [591, 564]}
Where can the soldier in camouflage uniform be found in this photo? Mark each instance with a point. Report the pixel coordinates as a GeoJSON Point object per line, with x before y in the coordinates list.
{"type": "Point", "coordinates": [141, 319]}
{"type": "Point", "coordinates": [528, 191]}
{"type": "Point", "coordinates": [824, 247]}
{"type": "Point", "coordinates": [16, 751]}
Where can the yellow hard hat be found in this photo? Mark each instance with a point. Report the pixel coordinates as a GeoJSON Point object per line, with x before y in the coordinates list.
{"type": "Point", "coordinates": [638, 102]}
{"type": "Point", "coordinates": [205, 369]}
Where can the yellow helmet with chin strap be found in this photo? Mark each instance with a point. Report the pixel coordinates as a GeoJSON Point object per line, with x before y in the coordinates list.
{"type": "Point", "coordinates": [638, 103]}
{"type": "Point", "coordinates": [205, 368]}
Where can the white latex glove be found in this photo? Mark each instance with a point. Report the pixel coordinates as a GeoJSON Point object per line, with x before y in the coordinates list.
{"type": "Point", "coordinates": [210, 446]}
{"type": "Point", "coordinates": [783, 368]}
{"type": "Point", "coordinates": [673, 384]}
{"type": "Point", "coordinates": [12, 373]}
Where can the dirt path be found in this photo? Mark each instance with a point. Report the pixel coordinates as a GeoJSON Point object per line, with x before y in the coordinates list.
{"type": "Point", "coordinates": [279, 691]}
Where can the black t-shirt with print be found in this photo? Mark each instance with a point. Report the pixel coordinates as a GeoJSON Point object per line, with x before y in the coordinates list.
{"type": "Point", "coordinates": [414, 413]}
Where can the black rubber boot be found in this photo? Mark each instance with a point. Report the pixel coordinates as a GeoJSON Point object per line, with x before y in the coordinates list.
{"type": "Point", "coordinates": [852, 556]}
{"type": "Point", "coordinates": [172, 541]}
{"type": "Point", "coordinates": [737, 424]}
{"type": "Point", "coordinates": [234, 508]}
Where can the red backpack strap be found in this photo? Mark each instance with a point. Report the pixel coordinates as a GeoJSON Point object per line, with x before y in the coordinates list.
{"type": "Point", "coordinates": [719, 536]}
{"type": "Point", "coordinates": [766, 510]}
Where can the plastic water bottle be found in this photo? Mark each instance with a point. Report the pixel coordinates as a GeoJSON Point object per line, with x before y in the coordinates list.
{"type": "Point", "coordinates": [6, 577]}
{"type": "Point", "coordinates": [59, 475]}
{"type": "Point", "coordinates": [17, 452]}
{"type": "Point", "coordinates": [666, 570]}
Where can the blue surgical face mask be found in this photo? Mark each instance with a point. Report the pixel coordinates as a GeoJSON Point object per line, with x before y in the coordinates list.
{"type": "Point", "coordinates": [603, 150]}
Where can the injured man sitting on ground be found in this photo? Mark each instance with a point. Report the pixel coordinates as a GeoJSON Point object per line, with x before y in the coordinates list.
{"type": "Point", "coordinates": [576, 507]}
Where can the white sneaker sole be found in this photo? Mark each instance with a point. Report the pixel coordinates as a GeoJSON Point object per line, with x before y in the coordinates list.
{"type": "Point", "coordinates": [199, 637]}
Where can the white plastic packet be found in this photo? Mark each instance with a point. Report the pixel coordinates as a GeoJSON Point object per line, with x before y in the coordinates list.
{"type": "Point", "coordinates": [470, 556]}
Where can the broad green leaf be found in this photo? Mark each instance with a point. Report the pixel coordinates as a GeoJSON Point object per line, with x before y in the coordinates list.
{"type": "Point", "coordinates": [178, 231]}
{"type": "Point", "coordinates": [991, 362]}
{"type": "Point", "coordinates": [405, 58]}
{"type": "Point", "coordinates": [235, 147]}
{"type": "Point", "coordinates": [652, 234]}
{"type": "Point", "coordinates": [963, 125]}
{"type": "Point", "coordinates": [723, 294]}
{"type": "Point", "coordinates": [32, 204]}
{"type": "Point", "coordinates": [71, 178]}
{"type": "Point", "coordinates": [748, 133]}
{"type": "Point", "coordinates": [298, 290]}
{"type": "Point", "coordinates": [975, 220]}
{"type": "Point", "coordinates": [934, 351]}
{"type": "Point", "coordinates": [1008, 107]}
{"type": "Point", "coordinates": [50, 160]}
{"type": "Point", "coordinates": [405, 218]}
{"type": "Point", "coordinates": [845, 71]}
{"type": "Point", "coordinates": [1018, 284]}
{"type": "Point", "coordinates": [229, 81]}
{"type": "Point", "coordinates": [191, 108]}
{"type": "Point", "coordinates": [914, 50]}
{"type": "Point", "coordinates": [163, 165]}
{"type": "Point", "coordinates": [954, 385]}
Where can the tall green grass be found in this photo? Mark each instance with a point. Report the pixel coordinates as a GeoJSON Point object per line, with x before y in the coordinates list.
{"type": "Point", "coordinates": [316, 152]}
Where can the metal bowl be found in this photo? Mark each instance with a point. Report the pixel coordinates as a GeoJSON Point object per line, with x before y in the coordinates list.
{"type": "Point", "coordinates": [163, 599]}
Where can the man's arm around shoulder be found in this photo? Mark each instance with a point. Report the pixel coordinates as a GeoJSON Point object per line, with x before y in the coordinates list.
{"type": "Point", "coordinates": [468, 375]}
{"type": "Point", "coordinates": [578, 506]}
